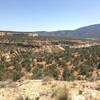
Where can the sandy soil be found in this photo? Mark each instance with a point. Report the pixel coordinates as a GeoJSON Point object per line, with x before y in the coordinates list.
{"type": "Point", "coordinates": [43, 89]}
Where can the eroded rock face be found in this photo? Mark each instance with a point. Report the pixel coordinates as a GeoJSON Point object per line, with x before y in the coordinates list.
{"type": "Point", "coordinates": [45, 90]}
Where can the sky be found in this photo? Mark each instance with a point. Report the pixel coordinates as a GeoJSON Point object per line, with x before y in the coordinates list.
{"type": "Point", "coordinates": [48, 15]}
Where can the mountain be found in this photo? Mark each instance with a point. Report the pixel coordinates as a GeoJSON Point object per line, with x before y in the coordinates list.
{"type": "Point", "coordinates": [92, 31]}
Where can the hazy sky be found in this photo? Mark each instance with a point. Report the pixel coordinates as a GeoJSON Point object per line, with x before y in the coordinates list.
{"type": "Point", "coordinates": [50, 15]}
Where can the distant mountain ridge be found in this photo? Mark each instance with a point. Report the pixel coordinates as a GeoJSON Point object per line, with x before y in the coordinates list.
{"type": "Point", "coordinates": [92, 31]}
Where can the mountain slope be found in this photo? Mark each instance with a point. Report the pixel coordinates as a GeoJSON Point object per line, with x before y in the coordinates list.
{"type": "Point", "coordinates": [92, 31]}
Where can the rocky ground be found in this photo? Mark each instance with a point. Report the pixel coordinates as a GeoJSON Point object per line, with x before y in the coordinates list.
{"type": "Point", "coordinates": [49, 90]}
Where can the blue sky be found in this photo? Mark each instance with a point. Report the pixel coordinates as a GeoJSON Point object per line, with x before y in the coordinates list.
{"type": "Point", "coordinates": [48, 15]}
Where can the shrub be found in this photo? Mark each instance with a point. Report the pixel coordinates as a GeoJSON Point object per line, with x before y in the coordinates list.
{"type": "Point", "coordinates": [18, 67]}
{"type": "Point", "coordinates": [37, 71]}
{"type": "Point", "coordinates": [20, 98]}
{"type": "Point", "coordinates": [28, 68]}
{"type": "Point", "coordinates": [16, 76]}
{"type": "Point", "coordinates": [2, 70]}
{"type": "Point", "coordinates": [67, 75]}
{"type": "Point", "coordinates": [84, 69]}
{"type": "Point", "coordinates": [52, 71]}
{"type": "Point", "coordinates": [61, 93]}
{"type": "Point", "coordinates": [23, 98]}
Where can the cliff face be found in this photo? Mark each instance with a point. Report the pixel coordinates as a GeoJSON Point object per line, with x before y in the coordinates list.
{"type": "Point", "coordinates": [3, 33]}
{"type": "Point", "coordinates": [7, 33]}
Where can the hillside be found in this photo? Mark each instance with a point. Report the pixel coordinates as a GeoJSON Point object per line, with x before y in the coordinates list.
{"type": "Point", "coordinates": [35, 68]}
{"type": "Point", "coordinates": [37, 57]}
{"type": "Point", "coordinates": [49, 68]}
{"type": "Point", "coordinates": [92, 31]}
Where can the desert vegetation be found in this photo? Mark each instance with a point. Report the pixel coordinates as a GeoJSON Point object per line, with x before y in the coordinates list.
{"type": "Point", "coordinates": [18, 62]}
{"type": "Point", "coordinates": [48, 68]}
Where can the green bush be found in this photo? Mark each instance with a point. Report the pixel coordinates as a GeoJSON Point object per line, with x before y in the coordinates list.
{"type": "Point", "coordinates": [52, 71]}
{"type": "Point", "coordinates": [2, 70]}
{"type": "Point", "coordinates": [37, 72]}
{"type": "Point", "coordinates": [84, 69]}
{"type": "Point", "coordinates": [67, 75]}
{"type": "Point", "coordinates": [16, 76]}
